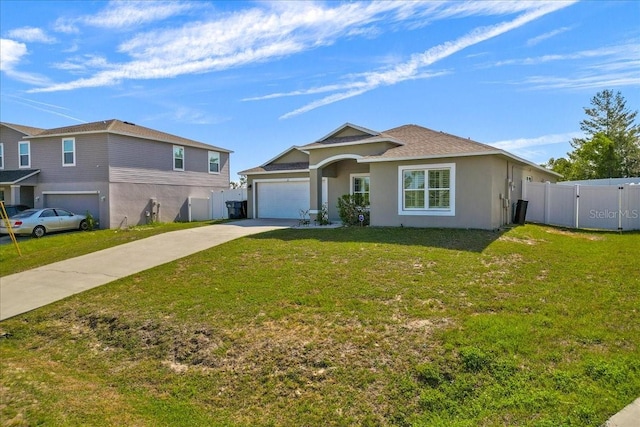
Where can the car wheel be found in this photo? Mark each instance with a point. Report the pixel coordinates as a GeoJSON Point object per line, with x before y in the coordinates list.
{"type": "Point", "coordinates": [39, 231]}
{"type": "Point", "coordinates": [84, 226]}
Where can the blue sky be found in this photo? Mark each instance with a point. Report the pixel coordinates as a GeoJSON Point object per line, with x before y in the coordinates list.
{"type": "Point", "coordinates": [258, 77]}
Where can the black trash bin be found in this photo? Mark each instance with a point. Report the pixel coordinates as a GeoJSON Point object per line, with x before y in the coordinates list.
{"type": "Point", "coordinates": [521, 211]}
{"type": "Point", "coordinates": [234, 207]}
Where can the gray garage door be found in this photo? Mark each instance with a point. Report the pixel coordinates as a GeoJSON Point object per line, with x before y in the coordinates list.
{"type": "Point", "coordinates": [76, 203]}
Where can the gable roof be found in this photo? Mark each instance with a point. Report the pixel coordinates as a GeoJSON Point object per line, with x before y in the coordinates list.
{"type": "Point", "coordinates": [125, 128]}
{"type": "Point", "coordinates": [409, 142]}
{"type": "Point", "coordinates": [11, 177]}
{"type": "Point", "coordinates": [272, 166]}
{"type": "Point", "coordinates": [420, 142]}
{"type": "Point", "coordinates": [359, 135]}
{"type": "Point", "coordinates": [25, 130]}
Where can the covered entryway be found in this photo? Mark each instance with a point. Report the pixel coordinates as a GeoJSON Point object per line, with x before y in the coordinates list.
{"type": "Point", "coordinates": [76, 202]}
{"type": "Point", "coordinates": [283, 198]}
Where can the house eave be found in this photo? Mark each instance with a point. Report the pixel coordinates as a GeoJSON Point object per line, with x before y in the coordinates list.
{"type": "Point", "coordinates": [442, 156]}
{"type": "Point", "coordinates": [423, 157]}
{"type": "Point", "coordinates": [352, 143]}
{"type": "Point", "coordinates": [245, 173]}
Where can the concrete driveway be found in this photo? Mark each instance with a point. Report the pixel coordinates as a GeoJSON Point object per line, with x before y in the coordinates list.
{"type": "Point", "coordinates": [23, 292]}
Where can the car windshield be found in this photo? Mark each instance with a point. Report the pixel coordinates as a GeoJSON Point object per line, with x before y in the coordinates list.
{"type": "Point", "coordinates": [25, 214]}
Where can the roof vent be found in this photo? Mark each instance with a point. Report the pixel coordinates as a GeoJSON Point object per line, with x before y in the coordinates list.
{"type": "Point", "coordinates": [129, 123]}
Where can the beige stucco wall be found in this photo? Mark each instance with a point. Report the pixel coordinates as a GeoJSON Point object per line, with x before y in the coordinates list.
{"type": "Point", "coordinates": [293, 156]}
{"type": "Point", "coordinates": [477, 186]}
{"type": "Point", "coordinates": [483, 197]}
{"type": "Point", "coordinates": [341, 183]}
{"type": "Point", "coordinates": [321, 155]}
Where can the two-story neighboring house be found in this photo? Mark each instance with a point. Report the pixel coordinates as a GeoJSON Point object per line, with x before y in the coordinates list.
{"type": "Point", "coordinates": [123, 174]}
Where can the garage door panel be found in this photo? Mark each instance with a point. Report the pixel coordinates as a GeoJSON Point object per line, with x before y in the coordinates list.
{"type": "Point", "coordinates": [76, 203]}
{"type": "Point", "coordinates": [282, 199]}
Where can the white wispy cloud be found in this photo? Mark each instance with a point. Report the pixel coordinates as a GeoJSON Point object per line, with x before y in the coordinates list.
{"type": "Point", "coordinates": [11, 54]}
{"type": "Point", "coordinates": [412, 67]}
{"type": "Point", "coordinates": [263, 33]}
{"type": "Point", "coordinates": [521, 143]}
{"type": "Point", "coordinates": [624, 51]}
{"type": "Point", "coordinates": [124, 13]}
{"type": "Point", "coordinates": [535, 40]}
{"type": "Point", "coordinates": [605, 67]}
{"type": "Point", "coordinates": [31, 34]}
{"type": "Point", "coordinates": [235, 39]}
{"type": "Point", "coordinates": [189, 115]}
{"type": "Point", "coordinates": [45, 107]}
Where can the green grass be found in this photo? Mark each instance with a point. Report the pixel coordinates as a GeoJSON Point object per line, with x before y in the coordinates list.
{"type": "Point", "coordinates": [534, 326]}
{"type": "Point", "coordinates": [59, 246]}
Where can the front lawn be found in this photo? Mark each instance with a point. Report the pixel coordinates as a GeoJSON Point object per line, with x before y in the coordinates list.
{"type": "Point", "coordinates": [534, 326]}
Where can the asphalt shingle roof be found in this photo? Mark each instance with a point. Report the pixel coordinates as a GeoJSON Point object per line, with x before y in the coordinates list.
{"type": "Point", "coordinates": [26, 130]}
{"type": "Point", "coordinates": [422, 142]}
{"type": "Point", "coordinates": [126, 128]}
{"type": "Point", "coordinates": [8, 177]}
{"type": "Point", "coordinates": [279, 167]}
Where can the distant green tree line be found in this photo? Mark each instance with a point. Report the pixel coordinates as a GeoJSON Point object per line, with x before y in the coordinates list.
{"type": "Point", "coordinates": [610, 147]}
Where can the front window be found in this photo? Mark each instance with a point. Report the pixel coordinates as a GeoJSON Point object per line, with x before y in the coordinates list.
{"type": "Point", "coordinates": [24, 153]}
{"type": "Point", "coordinates": [69, 152]}
{"type": "Point", "coordinates": [214, 162]}
{"type": "Point", "coordinates": [427, 190]}
{"type": "Point", "coordinates": [360, 188]}
{"type": "Point", "coordinates": [178, 158]}
{"type": "Point", "coordinates": [1, 156]}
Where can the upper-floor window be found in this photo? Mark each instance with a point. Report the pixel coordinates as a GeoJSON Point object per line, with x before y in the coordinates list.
{"type": "Point", "coordinates": [1, 155]}
{"type": "Point", "coordinates": [24, 153]}
{"type": "Point", "coordinates": [178, 158]}
{"type": "Point", "coordinates": [360, 188]}
{"type": "Point", "coordinates": [214, 162]}
{"type": "Point", "coordinates": [69, 152]}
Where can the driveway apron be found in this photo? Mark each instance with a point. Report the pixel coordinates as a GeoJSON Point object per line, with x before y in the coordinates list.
{"type": "Point", "coordinates": [28, 290]}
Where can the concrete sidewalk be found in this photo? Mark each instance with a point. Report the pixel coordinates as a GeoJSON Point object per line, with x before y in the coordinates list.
{"type": "Point", "coordinates": [23, 292]}
{"type": "Point", "coordinates": [628, 417]}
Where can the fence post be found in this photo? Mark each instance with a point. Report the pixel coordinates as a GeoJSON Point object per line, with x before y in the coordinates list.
{"type": "Point", "coordinates": [547, 202]}
{"type": "Point", "coordinates": [620, 189]}
{"type": "Point", "coordinates": [577, 205]}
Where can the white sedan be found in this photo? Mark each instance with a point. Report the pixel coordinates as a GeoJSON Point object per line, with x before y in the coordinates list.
{"type": "Point", "coordinates": [39, 222]}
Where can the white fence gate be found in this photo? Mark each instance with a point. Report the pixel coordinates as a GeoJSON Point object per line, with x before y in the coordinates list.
{"type": "Point", "coordinates": [583, 206]}
{"type": "Point", "coordinates": [219, 199]}
{"type": "Point", "coordinates": [215, 206]}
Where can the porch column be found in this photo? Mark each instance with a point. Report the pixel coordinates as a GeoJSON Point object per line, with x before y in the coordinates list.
{"type": "Point", "coordinates": [315, 178]}
{"type": "Point", "coordinates": [15, 195]}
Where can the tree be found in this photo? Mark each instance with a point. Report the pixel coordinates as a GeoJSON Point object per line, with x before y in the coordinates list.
{"type": "Point", "coordinates": [242, 183]}
{"type": "Point", "coordinates": [611, 146]}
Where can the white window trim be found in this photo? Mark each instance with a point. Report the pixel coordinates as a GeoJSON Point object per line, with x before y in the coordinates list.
{"type": "Point", "coordinates": [1, 155]}
{"type": "Point", "coordinates": [173, 156]}
{"type": "Point", "coordinates": [20, 165]}
{"type": "Point", "coordinates": [209, 162]}
{"type": "Point", "coordinates": [73, 141]}
{"type": "Point", "coordinates": [359, 175]}
{"type": "Point", "coordinates": [450, 211]}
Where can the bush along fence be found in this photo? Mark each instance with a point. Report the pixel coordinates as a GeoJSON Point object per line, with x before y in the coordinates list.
{"type": "Point", "coordinates": [615, 207]}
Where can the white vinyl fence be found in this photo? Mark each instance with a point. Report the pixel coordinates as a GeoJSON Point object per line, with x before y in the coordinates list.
{"type": "Point", "coordinates": [215, 206]}
{"type": "Point", "coordinates": [583, 206]}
